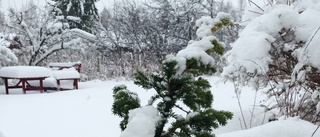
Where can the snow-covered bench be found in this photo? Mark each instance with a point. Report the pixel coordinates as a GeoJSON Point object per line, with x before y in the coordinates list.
{"type": "Point", "coordinates": [65, 65]}
{"type": "Point", "coordinates": [65, 75]}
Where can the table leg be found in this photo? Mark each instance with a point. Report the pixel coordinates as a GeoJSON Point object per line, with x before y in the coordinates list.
{"type": "Point", "coordinates": [23, 81]}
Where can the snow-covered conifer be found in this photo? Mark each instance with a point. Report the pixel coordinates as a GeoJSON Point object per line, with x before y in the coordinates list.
{"type": "Point", "coordinates": [81, 14]}
{"type": "Point", "coordinates": [179, 85]}
{"type": "Point", "coordinates": [124, 100]}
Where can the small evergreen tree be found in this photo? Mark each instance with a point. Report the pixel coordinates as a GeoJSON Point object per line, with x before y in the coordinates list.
{"type": "Point", "coordinates": [85, 10]}
{"type": "Point", "coordinates": [179, 85]}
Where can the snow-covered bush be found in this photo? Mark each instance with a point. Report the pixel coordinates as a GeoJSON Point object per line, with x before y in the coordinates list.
{"type": "Point", "coordinates": [278, 50]}
{"type": "Point", "coordinates": [178, 86]}
{"type": "Point", "coordinates": [7, 56]}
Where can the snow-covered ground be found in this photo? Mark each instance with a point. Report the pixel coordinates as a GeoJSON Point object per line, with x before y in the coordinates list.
{"type": "Point", "coordinates": [87, 113]}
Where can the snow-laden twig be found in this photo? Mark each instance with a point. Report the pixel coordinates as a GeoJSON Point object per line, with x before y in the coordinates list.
{"type": "Point", "coordinates": [250, 1]}
{"type": "Point", "coordinates": [312, 37]}
{"type": "Point", "coordinates": [253, 108]}
{"type": "Point", "coordinates": [236, 90]}
{"type": "Point", "coordinates": [315, 131]}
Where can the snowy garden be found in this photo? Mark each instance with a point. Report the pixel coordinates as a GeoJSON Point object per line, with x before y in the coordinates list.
{"type": "Point", "coordinates": [161, 68]}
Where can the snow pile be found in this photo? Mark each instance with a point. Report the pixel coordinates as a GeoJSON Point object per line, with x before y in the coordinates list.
{"type": "Point", "coordinates": [142, 122]}
{"type": "Point", "coordinates": [250, 52]}
{"type": "Point", "coordinates": [291, 127]}
{"type": "Point", "coordinates": [195, 50]}
{"type": "Point", "coordinates": [83, 34]}
{"type": "Point", "coordinates": [309, 31]}
{"type": "Point", "coordinates": [206, 23]}
{"type": "Point", "coordinates": [25, 72]}
{"type": "Point", "coordinates": [308, 4]}
{"type": "Point", "coordinates": [66, 74]}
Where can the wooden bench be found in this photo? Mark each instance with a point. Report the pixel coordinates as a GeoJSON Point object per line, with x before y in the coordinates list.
{"type": "Point", "coordinates": [65, 65]}
{"type": "Point", "coordinates": [61, 73]}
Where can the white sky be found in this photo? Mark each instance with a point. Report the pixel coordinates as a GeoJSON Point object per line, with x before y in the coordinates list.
{"type": "Point", "coordinates": [17, 4]}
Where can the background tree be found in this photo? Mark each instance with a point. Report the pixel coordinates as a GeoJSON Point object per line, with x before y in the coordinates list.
{"type": "Point", "coordinates": [139, 35]}
{"type": "Point", "coordinates": [81, 14]}
{"type": "Point", "coordinates": [179, 85]}
{"type": "Point", "coordinates": [38, 34]}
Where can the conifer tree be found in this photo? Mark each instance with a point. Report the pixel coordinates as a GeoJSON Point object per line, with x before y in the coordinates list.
{"type": "Point", "coordinates": [179, 85]}
{"type": "Point", "coordinates": [85, 10]}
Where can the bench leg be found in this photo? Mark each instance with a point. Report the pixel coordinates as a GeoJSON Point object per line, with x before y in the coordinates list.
{"type": "Point", "coordinates": [75, 83]}
{"type": "Point", "coordinates": [58, 85]}
{"type": "Point", "coordinates": [41, 86]}
{"type": "Point", "coordinates": [6, 85]}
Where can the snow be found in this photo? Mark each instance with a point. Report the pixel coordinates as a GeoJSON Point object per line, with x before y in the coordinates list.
{"type": "Point", "coordinates": [311, 34]}
{"type": "Point", "coordinates": [142, 122]}
{"type": "Point", "coordinates": [291, 127]}
{"type": "Point", "coordinates": [250, 53]}
{"type": "Point", "coordinates": [197, 49]}
{"type": "Point", "coordinates": [69, 6]}
{"type": "Point", "coordinates": [87, 113]}
{"type": "Point", "coordinates": [66, 73]}
{"type": "Point", "coordinates": [24, 72]}
{"type": "Point", "coordinates": [63, 64]}
{"type": "Point", "coordinates": [5, 53]}
{"type": "Point", "coordinates": [191, 115]}
{"type": "Point", "coordinates": [205, 24]}
{"type": "Point", "coordinates": [251, 50]}
{"type": "Point", "coordinates": [73, 18]}
{"type": "Point", "coordinates": [83, 34]}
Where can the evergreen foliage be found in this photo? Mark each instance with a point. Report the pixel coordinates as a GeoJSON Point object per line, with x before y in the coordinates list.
{"type": "Point", "coordinates": [85, 10]}
{"type": "Point", "coordinates": [124, 101]}
{"type": "Point", "coordinates": [179, 85]}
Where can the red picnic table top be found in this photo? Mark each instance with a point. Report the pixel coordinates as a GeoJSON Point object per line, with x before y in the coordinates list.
{"type": "Point", "coordinates": [24, 74]}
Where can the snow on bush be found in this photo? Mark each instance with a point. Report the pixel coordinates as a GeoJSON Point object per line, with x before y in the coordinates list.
{"type": "Point", "coordinates": [142, 122]}
{"type": "Point", "coordinates": [6, 55]}
{"type": "Point", "coordinates": [251, 50]}
{"type": "Point", "coordinates": [279, 50]}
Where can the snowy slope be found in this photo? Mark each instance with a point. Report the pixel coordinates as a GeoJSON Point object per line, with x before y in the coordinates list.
{"type": "Point", "coordinates": [87, 112]}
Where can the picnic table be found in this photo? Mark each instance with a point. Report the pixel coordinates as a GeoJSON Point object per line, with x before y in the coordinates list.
{"type": "Point", "coordinates": [24, 74]}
